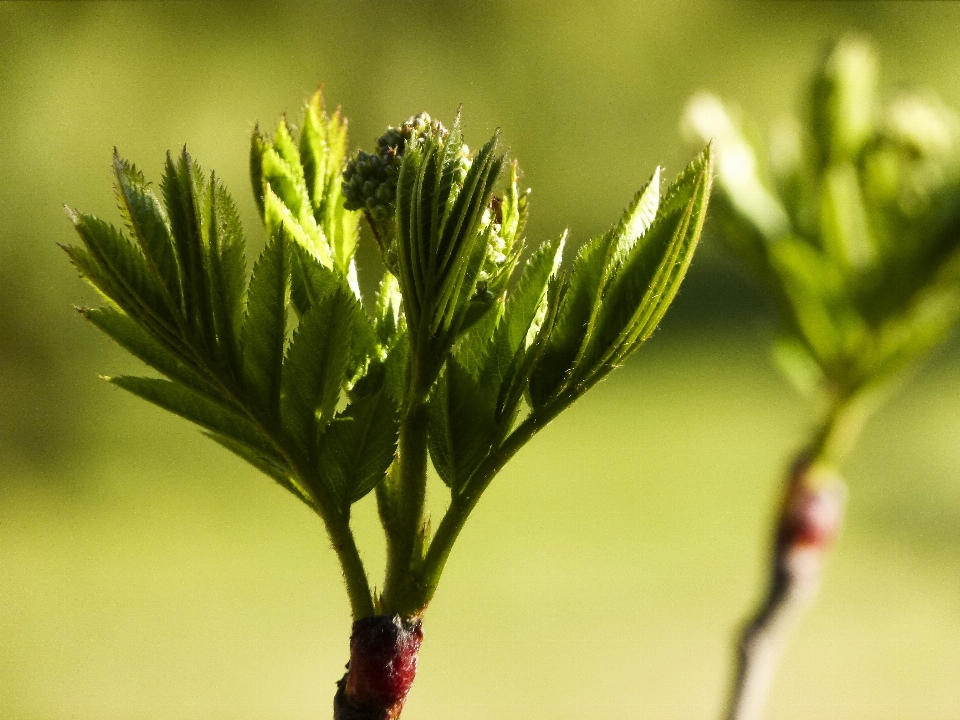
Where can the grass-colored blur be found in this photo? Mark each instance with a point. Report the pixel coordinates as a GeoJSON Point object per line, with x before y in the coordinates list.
{"type": "Point", "coordinates": [146, 573]}
{"type": "Point", "coordinates": [599, 579]}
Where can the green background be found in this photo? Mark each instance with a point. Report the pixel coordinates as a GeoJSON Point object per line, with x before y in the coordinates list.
{"type": "Point", "coordinates": [144, 573]}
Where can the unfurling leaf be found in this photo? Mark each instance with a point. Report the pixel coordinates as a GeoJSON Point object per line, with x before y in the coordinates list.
{"type": "Point", "coordinates": [437, 231]}
{"type": "Point", "coordinates": [299, 186]}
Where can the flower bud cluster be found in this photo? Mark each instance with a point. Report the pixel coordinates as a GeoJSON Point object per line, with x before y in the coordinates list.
{"type": "Point", "coordinates": [370, 179]}
{"type": "Point", "coordinates": [497, 251]}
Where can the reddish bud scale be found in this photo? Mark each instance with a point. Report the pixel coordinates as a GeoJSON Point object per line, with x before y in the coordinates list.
{"type": "Point", "coordinates": [811, 515]}
{"type": "Point", "coordinates": [383, 665]}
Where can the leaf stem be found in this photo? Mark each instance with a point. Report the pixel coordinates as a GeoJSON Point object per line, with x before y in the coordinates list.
{"type": "Point", "coordinates": [337, 526]}
{"type": "Point", "coordinates": [841, 424]}
{"type": "Point", "coordinates": [338, 529]}
{"type": "Point", "coordinates": [462, 505]}
{"type": "Point", "coordinates": [358, 587]}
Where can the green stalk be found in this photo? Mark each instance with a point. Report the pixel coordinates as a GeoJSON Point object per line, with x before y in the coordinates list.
{"type": "Point", "coordinates": [402, 506]}
{"type": "Point", "coordinates": [837, 432]}
{"type": "Point", "coordinates": [341, 537]}
{"type": "Point", "coordinates": [358, 587]}
{"type": "Point", "coordinates": [344, 544]}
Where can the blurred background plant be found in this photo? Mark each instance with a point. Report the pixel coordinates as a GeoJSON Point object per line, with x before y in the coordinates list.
{"type": "Point", "coordinates": [856, 239]}
{"type": "Point", "coordinates": [159, 588]}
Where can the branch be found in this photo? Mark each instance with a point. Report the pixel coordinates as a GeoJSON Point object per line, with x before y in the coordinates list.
{"type": "Point", "coordinates": [810, 516]}
{"type": "Point", "coordinates": [809, 520]}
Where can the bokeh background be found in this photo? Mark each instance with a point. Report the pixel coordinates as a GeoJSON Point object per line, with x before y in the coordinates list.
{"type": "Point", "coordinates": [144, 573]}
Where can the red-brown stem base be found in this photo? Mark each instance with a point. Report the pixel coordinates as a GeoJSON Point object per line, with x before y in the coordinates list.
{"type": "Point", "coordinates": [382, 667]}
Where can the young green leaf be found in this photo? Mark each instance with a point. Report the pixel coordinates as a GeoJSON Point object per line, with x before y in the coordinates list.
{"type": "Point", "coordinates": [203, 411]}
{"type": "Point", "coordinates": [323, 149]}
{"type": "Point", "coordinates": [818, 303]}
{"type": "Point", "coordinates": [302, 229]}
{"type": "Point", "coordinates": [561, 348]}
{"type": "Point", "coordinates": [258, 145]}
{"type": "Point", "coordinates": [388, 310]}
{"type": "Point", "coordinates": [527, 300]}
{"type": "Point", "coordinates": [317, 156]}
{"type": "Point", "coordinates": [358, 447]}
{"type": "Point", "coordinates": [316, 365]}
{"type": "Point", "coordinates": [285, 182]}
{"type": "Point", "coordinates": [651, 273]}
{"type": "Point", "coordinates": [227, 273]}
{"type": "Point", "coordinates": [286, 148]}
{"type": "Point", "coordinates": [844, 221]}
{"type": "Point", "coordinates": [310, 280]}
{"type": "Point", "coordinates": [187, 206]}
{"type": "Point", "coordinates": [142, 345]}
{"type": "Point", "coordinates": [493, 354]}
{"type": "Point", "coordinates": [462, 425]}
{"type": "Point", "coordinates": [459, 237]}
{"type": "Point", "coordinates": [409, 273]}
{"type": "Point", "coordinates": [264, 331]}
{"type": "Point", "coordinates": [843, 101]}
{"type": "Point", "coordinates": [118, 269]}
{"type": "Point", "coordinates": [623, 282]}
{"type": "Point", "coordinates": [149, 225]}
